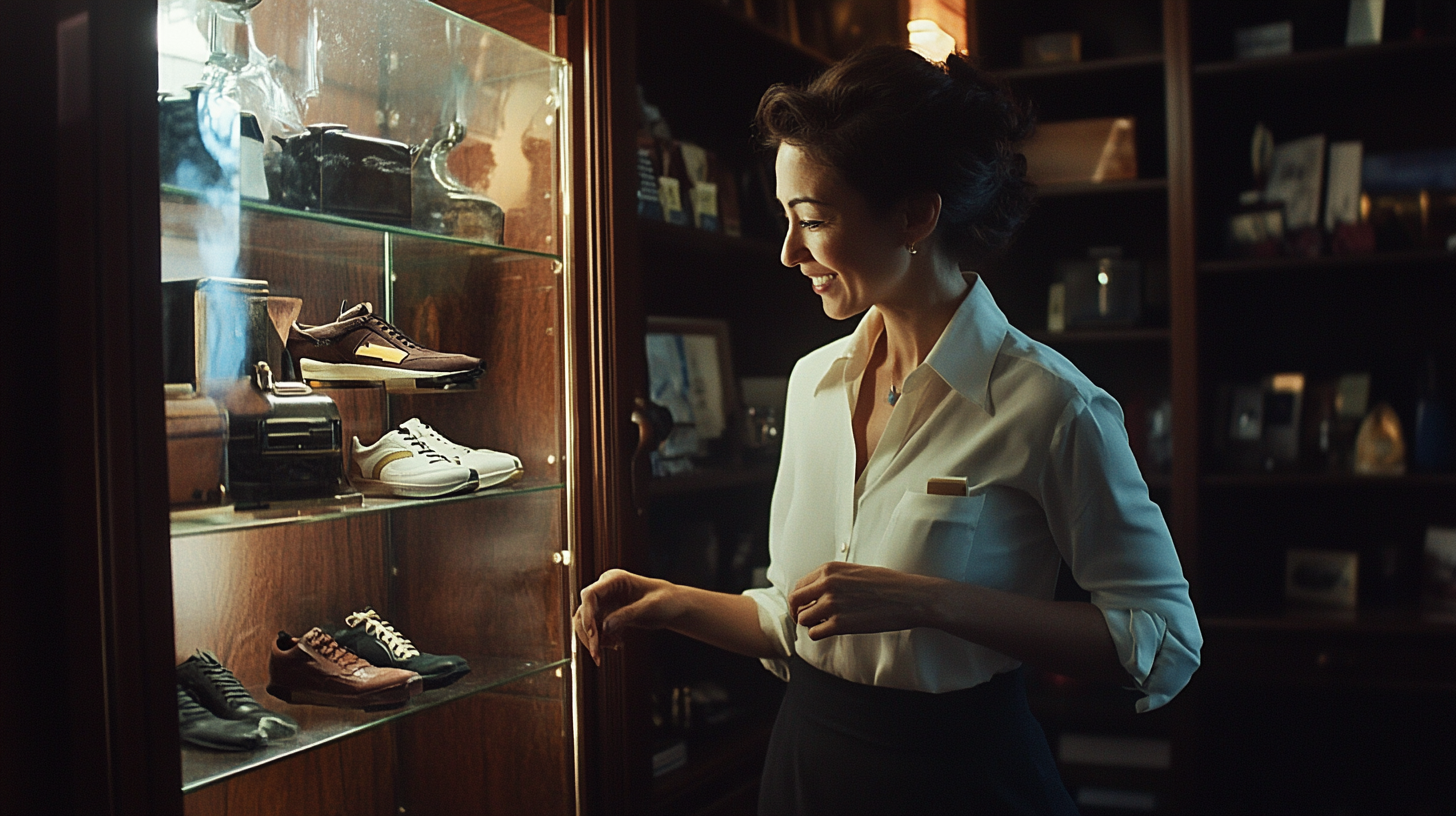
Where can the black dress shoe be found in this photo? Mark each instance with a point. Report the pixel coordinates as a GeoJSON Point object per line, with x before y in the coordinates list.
{"type": "Point", "coordinates": [374, 639]}
{"type": "Point", "coordinates": [201, 727]}
{"type": "Point", "coordinates": [219, 691]}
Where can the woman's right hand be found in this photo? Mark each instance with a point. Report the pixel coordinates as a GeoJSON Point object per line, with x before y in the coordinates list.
{"type": "Point", "coordinates": [618, 600]}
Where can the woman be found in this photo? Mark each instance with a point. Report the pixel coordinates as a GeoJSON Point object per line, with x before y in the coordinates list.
{"type": "Point", "coordinates": [899, 614]}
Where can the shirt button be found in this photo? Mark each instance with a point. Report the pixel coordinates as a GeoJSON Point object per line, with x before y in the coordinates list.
{"type": "Point", "coordinates": [844, 548]}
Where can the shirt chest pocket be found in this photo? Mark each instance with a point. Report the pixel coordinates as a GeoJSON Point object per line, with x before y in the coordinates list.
{"type": "Point", "coordinates": [932, 535]}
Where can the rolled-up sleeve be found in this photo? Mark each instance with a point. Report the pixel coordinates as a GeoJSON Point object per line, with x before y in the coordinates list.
{"type": "Point", "coordinates": [1116, 541]}
{"type": "Point", "coordinates": [773, 618]}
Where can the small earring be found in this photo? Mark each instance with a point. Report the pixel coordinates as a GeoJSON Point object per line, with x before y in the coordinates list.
{"type": "Point", "coordinates": [913, 249]}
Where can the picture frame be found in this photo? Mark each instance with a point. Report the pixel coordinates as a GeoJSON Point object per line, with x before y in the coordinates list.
{"type": "Point", "coordinates": [1296, 178]}
{"type": "Point", "coordinates": [690, 372]}
{"type": "Point", "coordinates": [1326, 579]}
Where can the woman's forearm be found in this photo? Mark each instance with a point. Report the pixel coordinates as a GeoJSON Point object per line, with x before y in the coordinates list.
{"type": "Point", "coordinates": [721, 619]}
{"type": "Point", "coordinates": [1066, 637]}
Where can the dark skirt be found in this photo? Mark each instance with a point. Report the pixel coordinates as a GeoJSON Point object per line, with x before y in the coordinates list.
{"type": "Point", "coordinates": [840, 747]}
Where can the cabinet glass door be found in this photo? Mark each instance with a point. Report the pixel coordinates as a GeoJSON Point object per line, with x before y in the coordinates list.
{"type": "Point", "coordinates": [365, 303]}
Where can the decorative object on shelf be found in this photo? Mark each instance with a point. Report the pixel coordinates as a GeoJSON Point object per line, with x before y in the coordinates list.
{"type": "Point", "coordinates": [1105, 289]}
{"type": "Point", "coordinates": [690, 372]}
{"type": "Point", "coordinates": [1380, 444]}
{"type": "Point", "coordinates": [377, 641]}
{"type": "Point", "coordinates": [198, 148]}
{"type": "Point", "coordinates": [1365, 22]}
{"type": "Point", "coordinates": [1055, 48]}
{"type": "Point", "coordinates": [1412, 198]}
{"type": "Point", "coordinates": [328, 169]}
{"type": "Point", "coordinates": [215, 686]}
{"type": "Point", "coordinates": [1321, 578]}
{"type": "Point", "coordinates": [1438, 570]}
{"type": "Point", "coordinates": [316, 670]}
{"type": "Point", "coordinates": [440, 202]}
{"type": "Point", "coordinates": [1160, 435]}
{"type": "Point", "coordinates": [1433, 448]}
{"type": "Point", "coordinates": [1267, 40]}
{"type": "Point", "coordinates": [764, 399]}
{"type": "Point", "coordinates": [1342, 188]}
{"type": "Point", "coordinates": [702, 192]}
{"type": "Point", "coordinates": [360, 346]}
{"type": "Point", "coordinates": [1283, 406]}
{"type": "Point", "coordinates": [285, 442]}
{"type": "Point", "coordinates": [1084, 150]}
{"type": "Point", "coordinates": [649, 201]}
{"type": "Point", "coordinates": [1256, 230]}
{"type": "Point", "coordinates": [1057, 307]}
{"type": "Point", "coordinates": [1296, 174]}
{"type": "Point", "coordinates": [196, 449]}
{"type": "Point", "coordinates": [252, 177]}
{"type": "Point", "coordinates": [402, 463]}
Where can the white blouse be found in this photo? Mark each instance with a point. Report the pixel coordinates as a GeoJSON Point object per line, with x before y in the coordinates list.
{"type": "Point", "coordinates": [1050, 477]}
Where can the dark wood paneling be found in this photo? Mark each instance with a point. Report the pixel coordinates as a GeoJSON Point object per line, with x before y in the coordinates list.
{"type": "Point", "coordinates": [505, 310]}
{"type": "Point", "coordinates": [527, 20]}
{"type": "Point", "coordinates": [234, 591]}
{"type": "Point", "coordinates": [503, 757]}
{"type": "Point", "coordinates": [321, 263]}
{"type": "Point", "coordinates": [354, 776]}
{"type": "Point", "coordinates": [478, 576]}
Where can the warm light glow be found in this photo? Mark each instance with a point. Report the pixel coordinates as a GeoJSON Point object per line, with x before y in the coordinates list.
{"type": "Point", "coordinates": [1288, 382]}
{"type": "Point", "coordinates": [930, 41]}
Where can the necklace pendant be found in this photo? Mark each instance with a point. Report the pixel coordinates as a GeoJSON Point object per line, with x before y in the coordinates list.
{"type": "Point", "coordinates": [892, 396]}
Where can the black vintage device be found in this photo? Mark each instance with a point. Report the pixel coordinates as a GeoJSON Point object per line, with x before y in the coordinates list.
{"type": "Point", "coordinates": [285, 442]}
{"type": "Point", "coordinates": [328, 169]}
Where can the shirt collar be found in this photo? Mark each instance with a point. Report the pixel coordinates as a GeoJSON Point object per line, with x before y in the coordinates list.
{"type": "Point", "coordinates": [964, 356]}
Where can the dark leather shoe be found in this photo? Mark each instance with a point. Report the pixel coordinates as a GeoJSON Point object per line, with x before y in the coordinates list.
{"type": "Point", "coordinates": [201, 727]}
{"type": "Point", "coordinates": [316, 670]}
{"type": "Point", "coordinates": [374, 639]}
{"type": "Point", "coordinates": [215, 687]}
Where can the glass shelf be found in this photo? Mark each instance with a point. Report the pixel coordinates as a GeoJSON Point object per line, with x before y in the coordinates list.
{"type": "Point", "coordinates": [210, 521]}
{"type": "Point", "coordinates": [253, 205]}
{"type": "Point", "coordinates": [319, 725]}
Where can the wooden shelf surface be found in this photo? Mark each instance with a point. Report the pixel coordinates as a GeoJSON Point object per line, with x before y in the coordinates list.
{"type": "Point", "coordinates": [1324, 57]}
{"type": "Point", "coordinates": [1109, 335]}
{"type": "Point", "coordinates": [1405, 259]}
{"type": "Point", "coordinates": [1072, 189]}
{"type": "Point", "coordinates": [1321, 480]}
{"type": "Point", "coordinates": [711, 760]}
{"type": "Point", "coordinates": [1082, 69]}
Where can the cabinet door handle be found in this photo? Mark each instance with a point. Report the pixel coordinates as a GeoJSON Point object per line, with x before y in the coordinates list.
{"type": "Point", "coordinates": [654, 423]}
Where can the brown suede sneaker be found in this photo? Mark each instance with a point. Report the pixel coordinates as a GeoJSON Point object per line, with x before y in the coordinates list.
{"type": "Point", "coordinates": [361, 346]}
{"type": "Point", "coordinates": [316, 670]}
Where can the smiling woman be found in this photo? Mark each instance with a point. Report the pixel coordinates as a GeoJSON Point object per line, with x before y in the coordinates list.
{"type": "Point", "coordinates": [900, 611]}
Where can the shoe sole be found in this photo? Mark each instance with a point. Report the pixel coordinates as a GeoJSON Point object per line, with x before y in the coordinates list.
{"type": "Point", "coordinates": [393, 697]}
{"type": "Point", "coordinates": [496, 481]}
{"type": "Point", "coordinates": [377, 487]}
{"type": "Point", "coordinates": [359, 372]}
{"type": "Point", "coordinates": [444, 680]}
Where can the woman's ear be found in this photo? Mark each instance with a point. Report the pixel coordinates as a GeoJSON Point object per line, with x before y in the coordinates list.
{"type": "Point", "coordinates": [922, 215]}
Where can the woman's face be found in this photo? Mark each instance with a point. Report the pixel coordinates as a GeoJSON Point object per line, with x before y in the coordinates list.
{"type": "Point", "coordinates": [852, 255]}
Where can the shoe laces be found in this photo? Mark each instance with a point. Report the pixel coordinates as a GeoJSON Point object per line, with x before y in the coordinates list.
{"type": "Point", "coordinates": [424, 447]}
{"type": "Point", "coordinates": [381, 629]}
{"type": "Point", "coordinates": [334, 652]}
{"type": "Point", "coordinates": [436, 437]}
{"type": "Point", "coordinates": [225, 681]}
{"type": "Point", "coordinates": [187, 705]}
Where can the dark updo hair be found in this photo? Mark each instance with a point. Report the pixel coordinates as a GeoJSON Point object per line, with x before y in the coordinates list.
{"type": "Point", "coordinates": [891, 123]}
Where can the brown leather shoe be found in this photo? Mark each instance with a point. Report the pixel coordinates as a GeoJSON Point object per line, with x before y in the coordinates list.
{"type": "Point", "coordinates": [316, 670]}
{"type": "Point", "coordinates": [360, 346]}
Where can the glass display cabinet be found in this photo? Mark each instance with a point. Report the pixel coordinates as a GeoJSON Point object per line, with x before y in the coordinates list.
{"type": "Point", "coordinates": [316, 156]}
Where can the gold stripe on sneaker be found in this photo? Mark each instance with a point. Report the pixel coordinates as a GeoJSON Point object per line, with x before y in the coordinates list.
{"type": "Point", "coordinates": [388, 354]}
{"type": "Point", "coordinates": [390, 457]}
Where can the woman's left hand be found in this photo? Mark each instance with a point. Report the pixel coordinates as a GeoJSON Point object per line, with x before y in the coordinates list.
{"type": "Point", "coordinates": [840, 598]}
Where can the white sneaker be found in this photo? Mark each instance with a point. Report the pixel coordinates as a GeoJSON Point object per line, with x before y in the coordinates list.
{"type": "Point", "coordinates": [493, 467]}
{"type": "Point", "coordinates": [402, 464]}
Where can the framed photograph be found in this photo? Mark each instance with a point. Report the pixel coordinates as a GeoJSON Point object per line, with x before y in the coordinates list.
{"type": "Point", "coordinates": [1321, 578]}
{"type": "Point", "coordinates": [690, 372]}
{"type": "Point", "coordinates": [1296, 178]}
